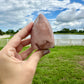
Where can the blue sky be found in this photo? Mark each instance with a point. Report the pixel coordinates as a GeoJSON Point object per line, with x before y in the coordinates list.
{"type": "Point", "coordinates": [15, 14]}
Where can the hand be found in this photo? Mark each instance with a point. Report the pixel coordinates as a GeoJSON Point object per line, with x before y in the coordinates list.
{"type": "Point", "coordinates": [13, 68]}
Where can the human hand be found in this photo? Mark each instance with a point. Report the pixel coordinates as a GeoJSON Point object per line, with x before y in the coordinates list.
{"type": "Point", "coordinates": [13, 68]}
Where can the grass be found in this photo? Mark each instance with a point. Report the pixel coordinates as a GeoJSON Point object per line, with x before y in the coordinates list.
{"type": "Point", "coordinates": [64, 65]}
{"type": "Point", "coordinates": [8, 37]}
{"type": "Point", "coordinates": [3, 41]}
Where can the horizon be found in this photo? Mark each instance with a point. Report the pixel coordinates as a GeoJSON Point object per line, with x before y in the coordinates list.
{"type": "Point", "coordinates": [60, 13]}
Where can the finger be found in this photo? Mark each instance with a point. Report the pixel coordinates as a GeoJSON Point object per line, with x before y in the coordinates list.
{"type": "Point", "coordinates": [18, 56]}
{"type": "Point", "coordinates": [25, 54]}
{"type": "Point", "coordinates": [15, 41]}
{"type": "Point", "coordinates": [34, 59]}
{"type": "Point", "coordinates": [22, 44]}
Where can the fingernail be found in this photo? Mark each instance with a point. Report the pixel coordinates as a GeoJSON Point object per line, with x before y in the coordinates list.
{"type": "Point", "coordinates": [46, 52]}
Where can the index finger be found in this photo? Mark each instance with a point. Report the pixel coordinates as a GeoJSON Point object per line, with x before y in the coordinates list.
{"type": "Point", "coordinates": [15, 41]}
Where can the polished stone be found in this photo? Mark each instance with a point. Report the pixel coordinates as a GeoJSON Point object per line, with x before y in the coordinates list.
{"type": "Point", "coordinates": [42, 36]}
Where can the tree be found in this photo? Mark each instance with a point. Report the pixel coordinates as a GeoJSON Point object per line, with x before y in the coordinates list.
{"type": "Point", "coordinates": [73, 31]}
{"type": "Point", "coordinates": [65, 30]}
{"type": "Point", "coordinates": [10, 31]}
{"type": "Point", "coordinates": [80, 31]}
{"type": "Point", "coordinates": [1, 32]}
{"type": "Point", "coordinates": [18, 30]}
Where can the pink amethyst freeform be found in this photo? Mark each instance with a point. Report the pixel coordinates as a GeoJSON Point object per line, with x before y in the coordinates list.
{"type": "Point", "coordinates": [41, 35]}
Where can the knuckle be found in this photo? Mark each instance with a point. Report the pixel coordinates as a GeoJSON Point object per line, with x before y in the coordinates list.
{"type": "Point", "coordinates": [10, 51]}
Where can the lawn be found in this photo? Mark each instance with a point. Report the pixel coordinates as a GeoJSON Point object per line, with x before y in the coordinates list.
{"type": "Point", "coordinates": [64, 65]}
{"type": "Point", "coordinates": [3, 42]}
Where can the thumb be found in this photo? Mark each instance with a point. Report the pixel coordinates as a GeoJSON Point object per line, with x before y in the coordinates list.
{"type": "Point", "coordinates": [35, 57]}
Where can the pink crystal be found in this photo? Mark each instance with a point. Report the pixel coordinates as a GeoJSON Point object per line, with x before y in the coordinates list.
{"type": "Point", "coordinates": [42, 36]}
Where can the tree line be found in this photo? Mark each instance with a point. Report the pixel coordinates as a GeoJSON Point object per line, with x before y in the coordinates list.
{"type": "Point", "coordinates": [67, 30]}
{"type": "Point", "coordinates": [64, 30]}
{"type": "Point", "coordinates": [9, 31]}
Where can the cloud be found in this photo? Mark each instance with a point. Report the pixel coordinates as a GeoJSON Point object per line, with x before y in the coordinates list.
{"type": "Point", "coordinates": [71, 25]}
{"type": "Point", "coordinates": [71, 18]}
{"type": "Point", "coordinates": [75, 5]}
{"type": "Point", "coordinates": [70, 15]}
{"type": "Point", "coordinates": [18, 13]}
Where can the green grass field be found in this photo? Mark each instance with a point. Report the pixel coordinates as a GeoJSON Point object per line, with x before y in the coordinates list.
{"type": "Point", "coordinates": [3, 42]}
{"type": "Point", "coordinates": [64, 65]}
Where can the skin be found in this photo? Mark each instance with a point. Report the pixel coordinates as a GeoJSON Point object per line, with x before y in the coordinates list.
{"type": "Point", "coordinates": [13, 68]}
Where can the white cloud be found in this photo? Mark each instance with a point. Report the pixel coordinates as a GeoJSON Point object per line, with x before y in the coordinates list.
{"type": "Point", "coordinates": [70, 18]}
{"type": "Point", "coordinates": [75, 5]}
{"type": "Point", "coordinates": [71, 25]}
{"type": "Point", "coordinates": [70, 15]}
{"type": "Point", "coordinates": [13, 13]}
{"type": "Point", "coordinates": [18, 13]}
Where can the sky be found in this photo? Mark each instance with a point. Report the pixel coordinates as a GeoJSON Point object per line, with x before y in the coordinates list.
{"type": "Point", "coordinates": [15, 14]}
